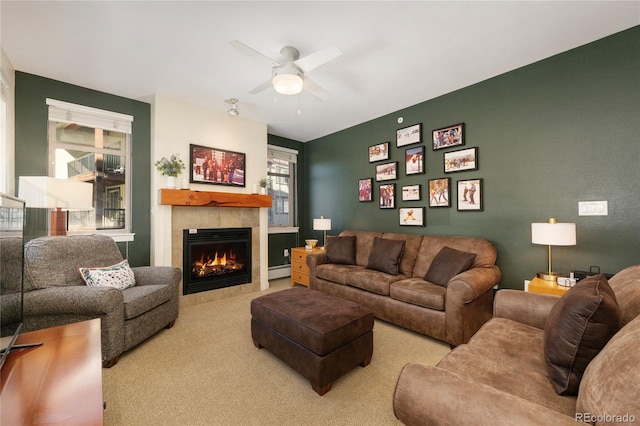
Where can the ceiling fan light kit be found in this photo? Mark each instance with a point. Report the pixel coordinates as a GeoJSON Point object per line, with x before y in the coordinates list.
{"type": "Point", "coordinates": [233, 108]}
{"type": "Point", "coordinates": [287, 80]}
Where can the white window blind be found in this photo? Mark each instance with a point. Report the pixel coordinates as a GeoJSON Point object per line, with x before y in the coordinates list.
{"type": "Point", "coordinates": [280, 153]}
{"type": "Point", "coordinates": [65, 112]}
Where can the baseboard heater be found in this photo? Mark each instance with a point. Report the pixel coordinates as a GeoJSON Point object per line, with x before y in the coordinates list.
{"type": "Point", "coordinates": [279, 271]}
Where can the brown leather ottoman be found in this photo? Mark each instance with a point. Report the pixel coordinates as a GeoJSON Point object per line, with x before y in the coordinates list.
{"type": "Point", "coordinates": [320, 336]}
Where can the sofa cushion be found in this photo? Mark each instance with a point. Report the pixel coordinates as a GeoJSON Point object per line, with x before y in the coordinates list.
{"type": "Point", "coordinates": [419, 292]}
{"type": "Point", "coordinates": [577, 328]}
{"type": "Point", "coordinates": [118, 276]}
{"type": "Point", "coordinates": [373, 281]}
{"type": "Point", "coordinates": [448, 263]}
{"type": "Point", "coordinates": [364, 243]}
{"type": "Point", "coordinates": [410, 253]}
{"type": "Point", "coordinates": [142, 299]}
{"type": "Point", "coordinates": [385, 255]}
{"type": "Point", "coordinates": [341, 250]}
{"type": "Point", "coordinates": [336, 273]}
{"type": "Point", "coordinates": [610, 382]}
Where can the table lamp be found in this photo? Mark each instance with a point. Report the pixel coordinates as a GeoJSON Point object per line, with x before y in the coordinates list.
{"type": "Point", "coordinates": [322, 224]}
{"type": "Point", "coordinates": [550, 234]}
{"type": "Point", "coordinates": [46, 192]}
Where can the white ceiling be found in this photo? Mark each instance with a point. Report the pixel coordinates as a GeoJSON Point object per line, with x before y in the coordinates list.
{"type": "Point", "coordinates": [395, 54]}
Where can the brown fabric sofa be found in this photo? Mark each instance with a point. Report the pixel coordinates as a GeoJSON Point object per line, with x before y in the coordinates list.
{"type": "Point", "coordinates": [55, 293]}
{"type": "Point", "coordinates": [452, 312]}
{"type": "Point", "coordinates": [500, 377]}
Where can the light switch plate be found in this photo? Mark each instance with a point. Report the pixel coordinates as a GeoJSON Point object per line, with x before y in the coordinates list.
{"type": "Point", "coordinates": [593, 208]}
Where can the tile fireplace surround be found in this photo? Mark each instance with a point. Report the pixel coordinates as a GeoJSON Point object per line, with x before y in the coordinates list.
{"type": "Point", "coordinates": [199, 209]}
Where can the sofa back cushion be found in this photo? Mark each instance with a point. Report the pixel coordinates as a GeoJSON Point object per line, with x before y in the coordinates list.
{"type": "Point", "coordinates": [411, 247]}
{"type": "Point", "coordinates": [364, 243]}
{"type": "Point", "coordinates": [432, 244]}
{"type": "Point", "coordinates": [579, 325]}
{"type": "Point", "coordinates": [626, 286]}
{"type": "Point", "coordinates": [54, 261]}
{"type": "Point", "coordinates": [11, 263]}
{"type": "Point", "coordinates": [610, 382]}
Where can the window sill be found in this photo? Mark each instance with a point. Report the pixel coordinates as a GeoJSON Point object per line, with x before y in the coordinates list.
{"type": "Point", "coordinates": [119, 237]}
{"type": "Point", "coordinates": [283, 229]}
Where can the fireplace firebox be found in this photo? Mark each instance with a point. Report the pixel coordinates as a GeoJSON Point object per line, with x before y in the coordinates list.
{"type": "Point", "coordinates": [215, 258]}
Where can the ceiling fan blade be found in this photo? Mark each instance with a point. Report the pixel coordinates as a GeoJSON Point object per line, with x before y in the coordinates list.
{"type": "Point", "coordinates": [318, 58]}
{"type": "Point", "coordinates": [264, 86]}
{"type": "Point", "coordinates": [251, 51]}
{"type": "Point", "coordinates": [312, 87]}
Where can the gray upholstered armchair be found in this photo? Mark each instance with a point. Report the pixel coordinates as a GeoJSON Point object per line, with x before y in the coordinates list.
{"type": "Point", "coordinates": [56, 294]}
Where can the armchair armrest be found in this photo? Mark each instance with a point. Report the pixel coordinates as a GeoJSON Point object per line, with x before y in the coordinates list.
{"type": "Point", "coordinates": [526, 308]}
{"type": "Point", "coordinates": [153, 275]}
{"type": "Point", "coordinates": [427, 395]}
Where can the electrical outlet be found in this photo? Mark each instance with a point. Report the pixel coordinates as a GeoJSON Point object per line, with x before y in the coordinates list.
{"type": "Point", "coordinates": [286, 252]}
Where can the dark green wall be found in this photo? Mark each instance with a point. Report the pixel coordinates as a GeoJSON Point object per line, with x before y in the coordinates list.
{"type": "Point", "coordinates": [562, 130]}
{"type": "Point", "coordinates": [278, 242]}
{"type": "Point", "coordinates": [31, 144]}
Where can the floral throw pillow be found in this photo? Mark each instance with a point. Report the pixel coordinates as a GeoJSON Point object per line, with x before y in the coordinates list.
{"type": "Point", "coordinates": [118, 276]}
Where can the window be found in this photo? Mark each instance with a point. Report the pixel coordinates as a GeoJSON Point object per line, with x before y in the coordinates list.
{"type": "Point", "coordinates": [92, 145]}
{"type": "Point", "coordinates": [281, 172]}
{"type": "Point", "coordinates": [4, 148]}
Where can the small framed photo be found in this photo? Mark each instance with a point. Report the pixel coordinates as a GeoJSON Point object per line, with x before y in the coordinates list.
{"type": "Point", "coordinates": [409, 135]}
{"type": "Point", "coordinates": [216, 166]}
{"type": "Point", "coordinates": [379, 152]}
{"type": "Point", "coordinates": [388, 196]}
{"type": "Point", "coordinates": [439, 192]}
{"type": "Point", "coordinates": [470, 195]}
{"type": "Point", "coordinates": [414, 160]}
{"type": "Point", "coordinates": [448, 136]}
{"type": "Point", "coordinates": [460, 160]}
{"type": "Point", "coordinates": [411, 216]}
{"type": "Point", "coordinates": [411, 193]}
{"type": "Point", "coordinates": [365, 189]}
{"type": "Point", "coordinates": [387, 171]}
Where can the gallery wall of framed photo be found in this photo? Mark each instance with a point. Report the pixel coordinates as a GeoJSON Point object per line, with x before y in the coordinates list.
{"type": "Point", "coordinates": [449, 186]}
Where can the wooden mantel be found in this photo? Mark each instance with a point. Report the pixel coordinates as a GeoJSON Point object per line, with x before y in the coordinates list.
{"type": "Point", "coordinates": [187, 197]}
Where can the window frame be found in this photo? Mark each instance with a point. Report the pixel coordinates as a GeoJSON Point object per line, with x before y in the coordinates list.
{"type": "Point", "coordinates": [290, 155]}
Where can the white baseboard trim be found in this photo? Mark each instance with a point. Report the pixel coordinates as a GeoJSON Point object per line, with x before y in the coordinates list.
{"type": "Point", "coordinates": [281, 271]}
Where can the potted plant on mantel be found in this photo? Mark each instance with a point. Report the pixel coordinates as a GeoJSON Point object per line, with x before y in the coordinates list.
{"type": "Point", "coordinates": [263, 185]}
{"type": "Point", "coordinates": [170, 167]}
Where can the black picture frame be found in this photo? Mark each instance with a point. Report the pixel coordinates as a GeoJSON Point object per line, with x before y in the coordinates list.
{"type": "Point", "coordinates": [412, 192]}
{"type": "Point", "coordinates": [411, 216]}
{"type": "Point", "coordinates": [414, 160]}
{"type": "Point", "coordinates": [470, 193]}
{"type": "Point", "coordinates": [379, 152]}
{"type": "Point", "coordinates": [409, 135]}
{"type": "Point", "coordinates": [387, 171]}
{"type": "Point", "coordinates": [365, 190]}
{"type": "Point", "coordinates": [440, 192]}
{"type": "Point", "coordinates": [215, 166]}
{"type": "Point", "coordinates": [461, 160]}
{"type": "Point", "coordinates": [387, 196]}
{"type": "Point", "coordinates": [447, 137]}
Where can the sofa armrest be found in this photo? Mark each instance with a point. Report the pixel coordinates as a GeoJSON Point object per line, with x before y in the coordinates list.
{"type": "Point", "coordinates": [154, 275]}
{"type": "Point", "coordinates": [471, 284]}
{"type": "Point", "coordinates": [427, 395]}
{"type": "Point", "coordinates": [313, 261]}
{"type": "Point", "coordinates": [526, 308]}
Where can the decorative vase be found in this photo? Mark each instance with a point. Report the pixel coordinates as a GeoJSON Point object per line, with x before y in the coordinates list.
{"type": "Point", "coordinates": [171, 182]}
{"type": "Point", "coordinates": [263, 191]}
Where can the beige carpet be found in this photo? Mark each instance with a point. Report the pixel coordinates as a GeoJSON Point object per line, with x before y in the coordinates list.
{"type": "Point", "coordinates": [206, 371]}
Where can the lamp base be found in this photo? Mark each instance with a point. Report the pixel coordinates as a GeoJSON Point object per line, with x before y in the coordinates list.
{"type": "Point", "coordinates": [548, 276]}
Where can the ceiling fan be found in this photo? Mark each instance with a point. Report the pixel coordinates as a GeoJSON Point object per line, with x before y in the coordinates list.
{"type": "Point", "coordinates": [288, 73]}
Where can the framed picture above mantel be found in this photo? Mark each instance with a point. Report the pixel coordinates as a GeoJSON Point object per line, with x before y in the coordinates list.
{"type": "Point", "coordinates": [216, 166]}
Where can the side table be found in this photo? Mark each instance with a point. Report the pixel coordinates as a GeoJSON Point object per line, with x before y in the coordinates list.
{"type": "Point", "coordinates": [538, 285]}
{"type": "Point", "coordinates": [299, 268]}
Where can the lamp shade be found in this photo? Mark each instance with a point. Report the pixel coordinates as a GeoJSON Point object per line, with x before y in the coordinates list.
{"type": "Point", "coordinates": [50, 193]}
{"type": "Point", "coordinates": [553, 234]}
{"type": "Point", "coordinates": [322, 224]}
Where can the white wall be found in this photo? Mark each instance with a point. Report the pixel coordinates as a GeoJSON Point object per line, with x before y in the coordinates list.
{"type": "Point", "coordinates": [175, 125]}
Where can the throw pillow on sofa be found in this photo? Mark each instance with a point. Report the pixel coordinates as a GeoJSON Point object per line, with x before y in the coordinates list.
{"type": "Point", "coordinates": [448, 263]}
{"type": "Point", "coordinates": [341, 250]}
{"type": "Point", "coordinates": [118, 276]}
{"type": "Point", "coordinates": [386, 255]}
{"type": "Point", "coordinates": [579, 325]}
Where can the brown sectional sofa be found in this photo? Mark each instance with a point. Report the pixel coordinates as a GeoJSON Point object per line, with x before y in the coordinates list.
{"type": "Point", "coordinates": [501, 378]}
{"type": "Point", "coordinates": [451, 313]}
